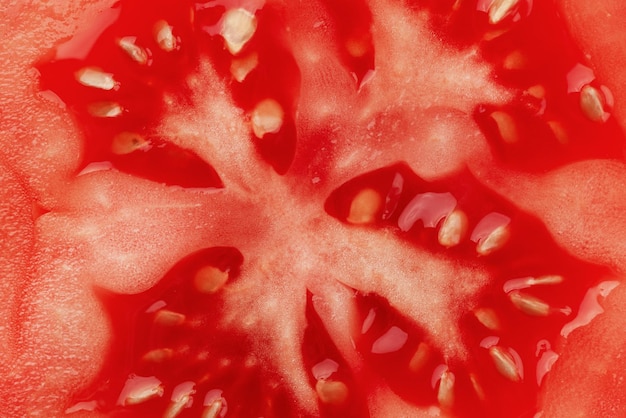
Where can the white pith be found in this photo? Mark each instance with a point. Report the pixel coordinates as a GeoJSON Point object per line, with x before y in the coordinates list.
{"type": "Point", "coordinates": [58, 309]}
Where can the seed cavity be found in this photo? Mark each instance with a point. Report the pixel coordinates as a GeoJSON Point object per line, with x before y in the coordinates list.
{"type": "Point", "coordinates": [445, 393]}
{"type": "Point", "coordinates": [105, 109]}
{"type": "Point", "coordinates": [128, 142]}
{"type": "Point", "coordinates": [488, 318]}
{"type": "Point", "coordinates": [592, 104]}
{"type": "Point", "coordinates": [420, 358]}
{"type": "Point", "coordinates": [491, 233]}
{"type": "Point", "coordinates": [134, 51]}
{"type": "Point", "coordinates": [96, 78]}
{"type": "Point", "coordinates": [331, 392]}
{"type": "Point", "coordinates": [169, 318]}
{"type": "Point", "coordinates": [164, 36]}
{"type": "Point", "coordinates": [140, 389]}
{"type": "Point", "coordinates": [210, 279]}
{"type": "Point", "coordinates": [267, 117]}
{"type": "Point", "coordinates": [241, 67]}
{"type": "Point", "coordinates": [500, 9]}
{"type": "Point", "coordinates": [453, 229]}
{"type": "Point", "coordinates": [182, 397]}
{"type": "Point", "coordinates": [365, 207]}
{"type": "Point", "coordinates": [507, 127]}
{"type": "Point", "coordinates": [238, 27]}
{"type": "Point", "coordinates": [507, 362]}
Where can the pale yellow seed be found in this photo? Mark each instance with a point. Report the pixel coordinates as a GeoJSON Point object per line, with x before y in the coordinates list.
{"type": "Point", "coordinates": [515, 60]}
{"type": "Point", "coordinates": [210, 279]}
{"type": "Point", "coordinates": [143, 394]}
{"type": "Point", "coordinates": [507, 127]}
{"type": "Point", "coordinates": [96, 78]}
{"type": "Point", "coordinates": [127, 142]}
{"type": "Point", "coordinates": [419, 358]}
{"type": "Point", "coordinates": [365, 207]}
{"type": "Point", "coordinates": [164, 36]}
{"type": "Point", "coordinates": [453, 229]}
{"type": "Point", "coordinates": [477, 387]}
{"type": "Point", "coordinates": [529, 304]}
{"type": "Point", "coordinates": [158, 355]}
{"type": "Point", "coordinates": [504, 363]}
{"type": "Point", "coordinates": [592, 104]}
{"type": "Point", "coordinates": [134, 51]}
{"type": "Point", "coordinates": [500, 9]}
{"type": "Point", "coordinates": [559, 131]}
{"type": "Point", "coordinates": [238, 27]}
{"type": "Point", "coordinates": [537, 91]}
{"type": "Point", "coordinates": [241, 67]}
{"type": "Point", "coordinates": [494, 241]}
{"type": "Point", "coordinates": [547, 279]}
{"type": "Point", "coordinates": [267, 117]}
{"type": "Point", "coordinates": [331, 392]}
{"type": "Point", "coordinates": [169, 318]}
{"type": "Point", "coordinates": [176, 407]}
{"type": "Point", "coordinates": [105, 109]}
{"type": "Point", "coordinates": [488, 318]}
{"type": "Point", "coordinates": [213, 410]}
{"type": "Point", "coordinates": [445, 394]}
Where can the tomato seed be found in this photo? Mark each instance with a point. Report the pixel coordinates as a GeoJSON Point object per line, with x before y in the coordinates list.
{"type": "Point", "coordinates": [238, 27]}
{"type": "Point", "coordinates": [96, 78]}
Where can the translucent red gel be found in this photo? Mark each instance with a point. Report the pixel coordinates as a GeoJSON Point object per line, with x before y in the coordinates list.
{"type": "Point", "coordinates": [533, 55]}
{"type": "Point", "coordinates": [528, 252]}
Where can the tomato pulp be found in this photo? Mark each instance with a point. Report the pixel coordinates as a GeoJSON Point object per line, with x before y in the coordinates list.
{"type": "Point", "coordinates": [223, 216]}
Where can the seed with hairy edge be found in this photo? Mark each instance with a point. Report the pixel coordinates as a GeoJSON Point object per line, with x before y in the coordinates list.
{"type": "Point", "coordinates": [515, 60]}
{"type": "Point", "coordinates": [105, 109]}
{"type": "Point", "coordinates": [267, 117]}
{"type": "Point", "coordinates": [96, 78]}
{"type": "Point", "coordinates": [507, 127]}
{"type": "Point", "coordinates": [500, 9]}
{"type": "Point", "coordinates": [210, 279]}
{"type": "Point", "coordinates": [592, 104]}
{"type": "Point", "coordinates": [445, 393]}
{"type": "Point", "coordinates": [140, 389]}
{"type": "Point", "coordinates": [127, 142]}
{"type": "Point", "coordinates": [331, 392]}
{"type": "Point", "coordinates": [365, 207]}
{"type": "Point", "coordinates": [453, 229]}
{"type": "Point", "coordinates": [238, 27]}
{"type": "Point", "coordinates": [488, 318]}
{"type": "Point", "coordinates": [241, 67]}
{"type": "Point", "coordinates": [505, 363]}
{"type": "Point", "coordinates": [134, 51]}
{"type": "Point", "coordinates": [420, 358]}
{"type": "Point", "coordinates": [166, 317]}
{"type": "Point", "coordinates": [182, 397]}
{"type": "Point", "coordinates": [164, 36]}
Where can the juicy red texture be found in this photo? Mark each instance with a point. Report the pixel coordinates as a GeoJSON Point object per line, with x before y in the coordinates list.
{"type": "Point", "coordinates": [186, 346]}
{"type": "Point", "coordinates": [550, 56]}
{"type": "Point", "coordinates": [141, 86]}
{"type": "Point", "coordinates": [528, 252]}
